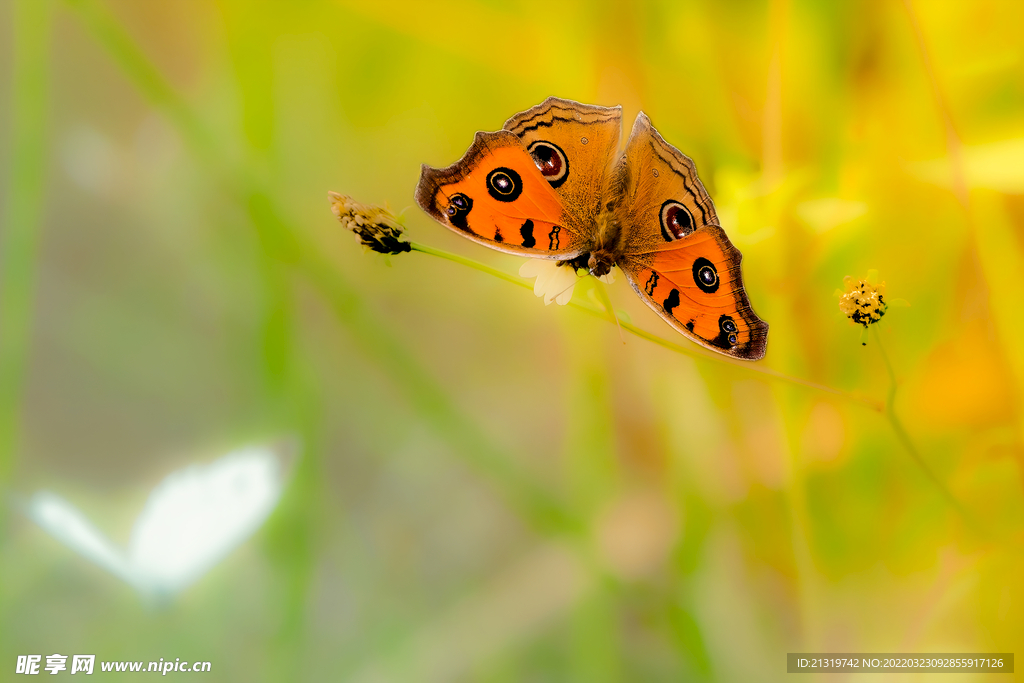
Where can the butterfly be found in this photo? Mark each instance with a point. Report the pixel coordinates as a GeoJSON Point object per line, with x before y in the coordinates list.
{"type": "Point", "coordinates": [553, 184]}
{"type": "Point", "coordinates": [191, 520]}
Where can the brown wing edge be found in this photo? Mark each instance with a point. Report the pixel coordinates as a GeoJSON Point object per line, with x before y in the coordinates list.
{"type": "Point", "coordinates": [678, 161]}
{"type": "Point", "coordinates": [753, 350]}
{"type": "Point", "coordinates": [557, 108]}
{"type": "Point", "coordinates": [431, 179]}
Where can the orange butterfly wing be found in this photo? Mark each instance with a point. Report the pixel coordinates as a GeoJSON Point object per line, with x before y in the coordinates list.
{"type": "Point", "coordinates": [676, 256]}
{"type": "Point", "coordinates": [496, 196]}
{"type": "Point", "coordinates": [576, 145]}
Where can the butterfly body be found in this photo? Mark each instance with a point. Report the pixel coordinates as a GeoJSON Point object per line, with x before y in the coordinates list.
{"type": "Point", "coordinates": [553, 184]}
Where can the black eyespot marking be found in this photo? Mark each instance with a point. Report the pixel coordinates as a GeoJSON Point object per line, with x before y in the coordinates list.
{"type": "Point", "coordinates": [676, 221]}
{"type": "Point", "coordinates": [504, 184]}
{"type": "Point", "coordinates": [527, 232]}
{"type": "Point", "coordinates": [584, 140]}
{"type": "Point", "coordinates": [553, 235]}
{"type": "Point", "coordinates": [727, 336]}
{"type": "Point", "coordinates": [689, 326]}
{"type": "Point", "coordinates": [671, 301]}
{"type": "Point", "coordinates": [498, 237]}
{"type": "Point", "coordinates": [705, 275]}
{"type": "Point", "coordinates": [459, 207]}
{"type": "Point", "coordinates": [655, 173]}
{"type": "Point", "coordinates": [551, 161]}
{"type": "Point", "coordinates": [652, 282]}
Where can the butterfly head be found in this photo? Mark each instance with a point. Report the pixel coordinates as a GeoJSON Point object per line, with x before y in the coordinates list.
{"type": "Point", "coordinates": [600, 262]}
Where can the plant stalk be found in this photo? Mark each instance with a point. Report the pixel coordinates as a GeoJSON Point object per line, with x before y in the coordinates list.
{"type": "Point", "coordinates": [907, 442]}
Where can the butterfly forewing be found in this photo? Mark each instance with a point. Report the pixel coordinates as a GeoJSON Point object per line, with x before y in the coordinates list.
{"type": "Point", "coordinates": [575, 146]}
{"type": "Point", "coordinates": [496, 195]}
{"type": "Point", "coordinates": [663, 198]}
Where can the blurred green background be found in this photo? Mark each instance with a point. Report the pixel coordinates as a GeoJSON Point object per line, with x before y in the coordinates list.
{"type": "Point", "coordinates": [492, 490]}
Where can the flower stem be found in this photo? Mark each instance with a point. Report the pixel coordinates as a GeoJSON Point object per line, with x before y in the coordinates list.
{"type": "Point", "coordinates": [643, 334]}
{"type": "Point", "coordinates": [476, 265]}
{"type": "Point", "coordinates": [907, 442]}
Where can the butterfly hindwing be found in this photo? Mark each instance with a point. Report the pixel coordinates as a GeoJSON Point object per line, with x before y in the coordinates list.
{"type": "Point", "coordinates": [696, 287]}
{"type": "Point", "coordinates": [496, 195]}
{"type": "Point", "coordinates": [675, 255]}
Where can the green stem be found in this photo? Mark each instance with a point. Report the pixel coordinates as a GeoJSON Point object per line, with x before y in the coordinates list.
{"type": "Point", "coordinates": [23, 215]}
{"type": "Point", "coordinates": [686, 351]}
{"type": "Point", "coordinates": [476, 265]}
{"type": "Point", "coordinates": [907, 442]}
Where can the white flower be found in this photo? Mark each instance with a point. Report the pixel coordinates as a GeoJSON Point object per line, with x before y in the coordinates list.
{"type": "Point", "coordinates": [554, 282]}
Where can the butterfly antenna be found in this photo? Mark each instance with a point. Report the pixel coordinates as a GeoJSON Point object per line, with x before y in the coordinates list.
{"type": "Point", "coordinates": [555, 297]}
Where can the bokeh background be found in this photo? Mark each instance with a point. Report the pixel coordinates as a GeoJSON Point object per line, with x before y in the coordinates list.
{"type": "Point", "coordinates": [490, 489]}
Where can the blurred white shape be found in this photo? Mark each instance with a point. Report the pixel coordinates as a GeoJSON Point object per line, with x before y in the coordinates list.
{"type": "Point", "coordinates": [191, 520]}
{"type": "Point", "coordinates": [70, 527]}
